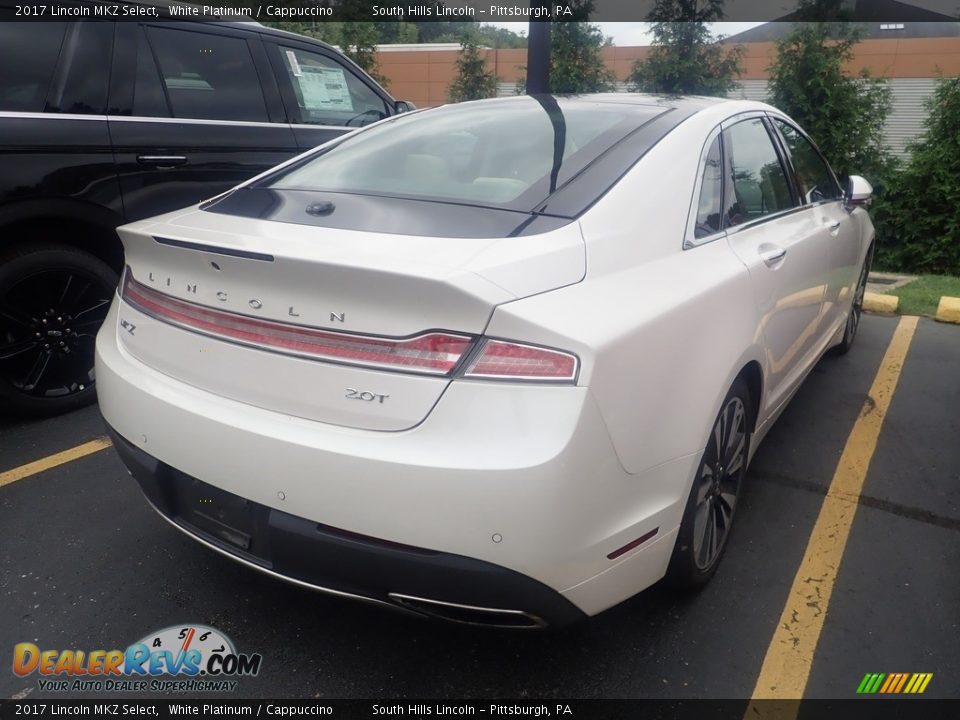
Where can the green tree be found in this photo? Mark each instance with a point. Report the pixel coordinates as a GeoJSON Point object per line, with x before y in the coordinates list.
{"type": "Point", "coordinates": [576, 62]}
{"type": "Point", "coordinates": [501, 37]}
{"type": "Point", "coordinates": [576, 65]}
{"type": "Point", "coordinates": [396, 32]}
{"type": "Point", "coordinates": [685, 59]}
{"type": "Point", "coordinates": [473, 81]}
{"type": "Point", "coordinates": [844, 114]}
{"type": "Point", "coordinates": [918, 216]}
{"type": "Point", "coordinates": [359, 40]}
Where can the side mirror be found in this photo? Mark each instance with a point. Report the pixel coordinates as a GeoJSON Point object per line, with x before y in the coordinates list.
{"type": "Point", "coordinates": [859, 192]}
{"type": "Point", "coordinates": [402, 106]}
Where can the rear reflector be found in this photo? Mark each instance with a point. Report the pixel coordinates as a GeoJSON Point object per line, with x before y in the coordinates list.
{"type": "Point", "coordinates": [514, 361]}
{"type": "Point", "coordinates": [632, 544]}
{"type": "Point", "coordinates": [432, 353]}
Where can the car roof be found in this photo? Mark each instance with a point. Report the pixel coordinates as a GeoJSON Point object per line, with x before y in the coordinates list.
{"type": "Point", "coordinates": [686, 105]}
{"type": "Point", "coordinates": [690, 102]}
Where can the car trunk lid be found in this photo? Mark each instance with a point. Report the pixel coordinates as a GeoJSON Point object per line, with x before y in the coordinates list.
{"type": "Point", "coordinates": [240, 307]}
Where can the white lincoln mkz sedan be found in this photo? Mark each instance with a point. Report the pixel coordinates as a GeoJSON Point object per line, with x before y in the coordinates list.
{"type": "Point", "coordinates": [503, 362]}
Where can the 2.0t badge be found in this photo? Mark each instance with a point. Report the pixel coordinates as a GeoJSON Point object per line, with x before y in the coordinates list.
{"type": "Point", "coordinates": [354, 394]}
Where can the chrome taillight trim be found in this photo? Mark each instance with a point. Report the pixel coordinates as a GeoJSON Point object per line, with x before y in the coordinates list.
{"type": "Point", "coordinates": [214, 313]}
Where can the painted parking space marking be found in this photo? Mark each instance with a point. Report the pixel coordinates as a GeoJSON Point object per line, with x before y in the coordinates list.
{"type": "Point", "coordinates": [786, 666]}
{"type": "Point", "coordinates": [52, 461]}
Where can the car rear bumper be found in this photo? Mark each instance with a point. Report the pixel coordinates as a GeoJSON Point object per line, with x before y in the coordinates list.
{"type": "Point", "coordinates": [505, 497]}
{"type": "Point", "coordinates": [344, 563]}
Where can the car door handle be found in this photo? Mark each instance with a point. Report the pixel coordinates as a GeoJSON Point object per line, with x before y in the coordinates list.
{"type": "Point", "coordinates": [162, 161]}
{"type": "Point", "coordinates": [771, 254]}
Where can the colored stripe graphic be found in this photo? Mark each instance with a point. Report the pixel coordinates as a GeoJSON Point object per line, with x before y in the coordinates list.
{"type": "Point", "coordinates": [903, 679]}
{"type": "Point", "coordinates": [891, 679]}
{"type": "Point", "coordinates": [894, 683]}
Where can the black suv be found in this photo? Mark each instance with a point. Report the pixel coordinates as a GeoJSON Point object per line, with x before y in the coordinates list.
{"type": "Point", "coordinates": [103, 123]}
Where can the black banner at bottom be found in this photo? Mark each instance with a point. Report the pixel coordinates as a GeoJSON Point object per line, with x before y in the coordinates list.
{"type": "Point", "coordinates": [854, 709]}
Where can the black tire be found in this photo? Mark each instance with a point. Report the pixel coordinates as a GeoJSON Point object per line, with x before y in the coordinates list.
{"type": "Point", "coordinates": [712, 502]}
{"type": "Point", "coordinates": [856, 308]}
{"type": "Point", "coordinates": [53, 299]}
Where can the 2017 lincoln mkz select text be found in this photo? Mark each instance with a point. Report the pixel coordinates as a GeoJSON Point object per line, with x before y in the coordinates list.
{"type": "Point", "coordinates": [502, 362]}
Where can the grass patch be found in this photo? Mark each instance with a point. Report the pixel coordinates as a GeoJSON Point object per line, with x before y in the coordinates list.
{"type": "Point", "coordinates": [922, 296]}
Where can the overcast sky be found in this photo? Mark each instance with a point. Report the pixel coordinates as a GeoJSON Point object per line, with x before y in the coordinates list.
{"type": "Point", "coordinates": [636, 33]}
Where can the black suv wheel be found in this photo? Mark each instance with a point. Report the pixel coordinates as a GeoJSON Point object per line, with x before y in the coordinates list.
{"type": "Point", "coordinates": [53, 299]}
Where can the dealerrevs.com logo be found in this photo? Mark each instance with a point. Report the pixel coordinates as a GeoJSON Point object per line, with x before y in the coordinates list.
{"type": "Point", "coordinates": [189, 658]}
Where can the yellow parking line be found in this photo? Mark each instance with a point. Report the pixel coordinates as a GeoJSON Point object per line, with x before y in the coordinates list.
{"type": "Point", "coordinates": [52, 461]}
{"type": "Point", "coordinates": [786, 666]}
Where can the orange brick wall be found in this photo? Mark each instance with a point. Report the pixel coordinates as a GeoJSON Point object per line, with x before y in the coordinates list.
{"type": "Point", "coordinates": [424, 76]}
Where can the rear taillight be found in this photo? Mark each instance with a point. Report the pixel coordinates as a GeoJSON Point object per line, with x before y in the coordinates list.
{"type": "Point", "coordinates": [432, 353]}
{"type": "Point", "coordinates": [436, 353]}
{"type": "Point", "coordinates": [504, 360]}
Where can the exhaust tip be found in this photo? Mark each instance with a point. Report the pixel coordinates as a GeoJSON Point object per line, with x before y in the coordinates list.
{"type": "Point", "coordinates": [470, 614]}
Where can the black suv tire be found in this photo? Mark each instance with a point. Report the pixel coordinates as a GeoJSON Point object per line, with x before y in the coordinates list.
{"type": "Point", "coordinates": [53, 299]}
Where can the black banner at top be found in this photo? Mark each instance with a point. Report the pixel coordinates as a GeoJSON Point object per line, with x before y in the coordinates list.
{"type": "Point", "coordinates": [892, 11]}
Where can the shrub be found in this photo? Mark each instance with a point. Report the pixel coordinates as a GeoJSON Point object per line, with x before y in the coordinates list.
{"type": "Point", "coordinates": [844, 115]}
{"type": "Point", "coordinates": [685, 59]}
{"type": "Point", "coordinates": [918, 214]}
{"type": "Point", "coordinates": [473, 81]}
{"type": "Point", "coordinates": [576, 63]}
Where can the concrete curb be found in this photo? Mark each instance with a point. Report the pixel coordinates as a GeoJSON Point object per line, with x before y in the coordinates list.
{"type": "Point", "coordinates": [874, 302]}
{"type": "Point", "coordinates": [948, 310]}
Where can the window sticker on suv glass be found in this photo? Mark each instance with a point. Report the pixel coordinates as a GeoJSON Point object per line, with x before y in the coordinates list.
{"type": "Point", "coordinates": [324, 88]}
{"type": "Point", "coordinates": [294, 65]}
{"type": "Point", "coordinates": [327, 93]}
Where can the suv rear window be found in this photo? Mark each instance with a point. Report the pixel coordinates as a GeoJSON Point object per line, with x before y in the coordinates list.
{"type": "Point", "coordinates": [28, 56]}
{"type": "Point", "coordinates": [503, 154]}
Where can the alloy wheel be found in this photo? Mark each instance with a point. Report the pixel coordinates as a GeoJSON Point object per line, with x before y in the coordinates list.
{"type": "Point", "coordinates": [48, 325]}
{"type": "Point", "coordinates": [718, 483]}
{"type": "Point", "coordinates": [853, 322]}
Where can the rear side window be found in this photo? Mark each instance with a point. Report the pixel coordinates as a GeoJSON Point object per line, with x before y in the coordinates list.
{"type": "Point", "coordinates": [760, 184]}
{"type": "Point", "coordinates": [816, 182]}
{"type": "Point", "coordinates": [28, 57]}
{"type": "Point", "coordinates": [710, 207]}
{"type": "Point", "coordinates": [208, 77]}
{"type": "Point", "coordinates": [329, 94]}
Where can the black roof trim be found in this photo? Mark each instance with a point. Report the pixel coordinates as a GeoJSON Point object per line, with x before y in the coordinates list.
{"type": "Point", "coordinates": [582, 191]}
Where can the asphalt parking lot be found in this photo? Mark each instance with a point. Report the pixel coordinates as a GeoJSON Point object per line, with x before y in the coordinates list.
{"type": "Point", "coordinates": [87, 564]}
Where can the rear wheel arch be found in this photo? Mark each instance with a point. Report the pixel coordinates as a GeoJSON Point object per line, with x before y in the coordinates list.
{"type": "Point", "coordinates": [85, 227]}
{"type": "Point", "coordinates": [752, 374]}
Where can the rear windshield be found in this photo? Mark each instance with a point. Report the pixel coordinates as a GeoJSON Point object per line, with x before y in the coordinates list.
{"type": "Point", "coordinates": [511, 153]}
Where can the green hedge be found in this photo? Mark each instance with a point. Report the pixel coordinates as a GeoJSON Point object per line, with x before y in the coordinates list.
{"type": "Point", "coordinates": [917, 213]}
